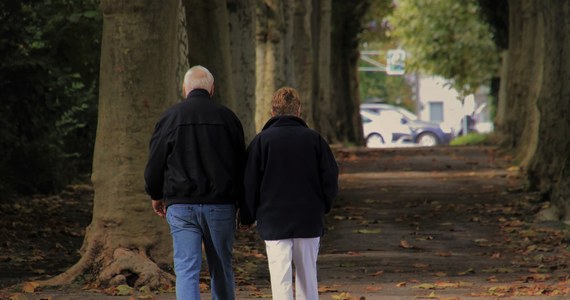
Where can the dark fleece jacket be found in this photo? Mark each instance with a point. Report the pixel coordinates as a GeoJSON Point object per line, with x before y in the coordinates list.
{"type": "Point", "coordinates": [197, 154]}
{"type": "Point", "coordinates": [291, 180]}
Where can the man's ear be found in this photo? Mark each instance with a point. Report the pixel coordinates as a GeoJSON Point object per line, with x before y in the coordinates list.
{"type": "Point", "coordinates": [273, 113]}
{"type": "Point", "coordinates": [212, 90]}
{"type": "Point", "coordinates": [299, 112]}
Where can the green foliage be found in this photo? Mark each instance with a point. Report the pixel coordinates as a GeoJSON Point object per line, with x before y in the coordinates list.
{"type": "Point", "coordinates": [391, 89]}
{"type": "Point", "coordinates": [447, 38]}
{"type": "Point", "coordinates": [48, 88]}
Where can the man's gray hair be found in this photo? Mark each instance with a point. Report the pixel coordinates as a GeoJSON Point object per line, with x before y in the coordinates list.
{"type": "Point", "coordinates": [198, 77]}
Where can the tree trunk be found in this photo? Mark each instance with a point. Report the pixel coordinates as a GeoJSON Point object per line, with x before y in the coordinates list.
{"type": "Point", "coordinates": [324, 106]}
{"type": "Point", "coordinates": [303, 62]}
{"type": "Point", "coordinates": [126, 243]}
{"type": "Point", "coordinates": [207, 23]}
{"type": "Point", "coordinates": [524, 79]}
{"type": "Point", "coordinates": [345, 120]}
{"type": "Point", "coordinates": [550, 165]}
{"type": "Point", "coordinates": [242, 51]}
{"type": "Point", "coordinates": [270, 48]}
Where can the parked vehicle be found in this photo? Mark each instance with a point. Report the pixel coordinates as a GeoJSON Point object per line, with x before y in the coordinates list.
{"type": "Point", "coordinates": [401, 122]}
{"type": "Point", "coordinates": [377, 135]}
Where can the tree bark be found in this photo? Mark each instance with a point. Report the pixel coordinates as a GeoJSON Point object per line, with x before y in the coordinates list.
{"type": "Point", "coordinates": [207, 24]}
{"type": "Point", "coordinates": [270, 39]}
{"type": "Point", "coordinates": [242, 51]}
{"type": "Point", "coordinates": [221, 38]}
{"type": "Point", "coordinates": [550, 165]}
{"type": "Point", "coordinates": [125, 242]}
{"type": "Point", "coordinates": [346, 17]}
{"type": "Point", "coordinates": [302, 53]}
{"type": "Point", "coordinates": [524, 79]}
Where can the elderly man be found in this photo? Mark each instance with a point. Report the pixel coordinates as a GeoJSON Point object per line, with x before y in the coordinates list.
{"type": "Point", "coordinates": [194, 177]}
{"type": "Point", "coordinates": [291, 180]}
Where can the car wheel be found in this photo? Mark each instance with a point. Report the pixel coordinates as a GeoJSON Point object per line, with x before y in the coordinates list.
{"type": "Point", "coordinates": [374, 140]}
{"type": "Point", "coordinates": [427, 139]}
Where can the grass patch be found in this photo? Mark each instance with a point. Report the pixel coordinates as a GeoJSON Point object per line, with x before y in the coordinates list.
{"type": "Point", "coordinates": [473, 139]}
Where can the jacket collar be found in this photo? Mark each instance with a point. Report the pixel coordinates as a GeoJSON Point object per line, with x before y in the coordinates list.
{"type": "Point", "coordinates": [198, 93]}
{"type": "Point", "coordinates": [284, 120]}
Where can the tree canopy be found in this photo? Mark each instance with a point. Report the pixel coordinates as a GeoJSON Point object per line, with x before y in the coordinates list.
{"type": "Point", "coordinates": [447, 38]}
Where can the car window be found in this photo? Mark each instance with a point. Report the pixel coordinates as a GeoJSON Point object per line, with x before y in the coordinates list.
{"type": "Point", "coordinates": [365, 119]}
{"type": "Point", "coordinates": [371, 110]}
{"type": "Point", "coordinates": [392, 115]}
{"type": "Point", "coordinates": [407, 113]}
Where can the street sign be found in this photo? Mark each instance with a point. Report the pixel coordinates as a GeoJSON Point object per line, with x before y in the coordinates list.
{"type": "Point", "coordinates": [395, 62]}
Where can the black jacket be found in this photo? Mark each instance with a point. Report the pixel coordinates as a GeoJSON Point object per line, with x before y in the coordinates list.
{"type": "Point", "coordinates": [197, 154]}
{"type": "Point", "coordinates": [291, 180]}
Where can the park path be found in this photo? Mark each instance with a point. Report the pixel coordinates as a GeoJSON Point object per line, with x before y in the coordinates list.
{"type": "Point", "coordinates": [421, 223]}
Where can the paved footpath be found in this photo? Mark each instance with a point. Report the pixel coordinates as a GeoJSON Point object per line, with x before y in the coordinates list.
{"type": "Point", "coordinates": [424, 223]}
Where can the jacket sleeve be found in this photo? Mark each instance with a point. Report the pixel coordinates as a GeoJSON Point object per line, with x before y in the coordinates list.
{"type": "Point", "coordinates": [329, 175]}
{"type": "Point", "coordinates": [156, 165]}
{"type": "Point", "coordinates": [252, 182]}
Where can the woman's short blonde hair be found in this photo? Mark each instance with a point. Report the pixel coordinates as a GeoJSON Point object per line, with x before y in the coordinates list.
{"type": "Point", "coordinates": [286, 101]}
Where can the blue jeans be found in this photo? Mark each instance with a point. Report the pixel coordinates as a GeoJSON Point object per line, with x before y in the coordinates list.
{"type": "Point", "coordinates": [190, 224]}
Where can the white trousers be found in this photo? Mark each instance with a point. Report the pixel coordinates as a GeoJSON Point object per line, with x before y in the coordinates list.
{"type": "Point", "coordinates": [281, 256]}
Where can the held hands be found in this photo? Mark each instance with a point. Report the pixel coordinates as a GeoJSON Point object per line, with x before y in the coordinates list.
{"type": "Point", "coordinates": [244, 228]}
{"type": "Point", "coordinates": [159, 207]}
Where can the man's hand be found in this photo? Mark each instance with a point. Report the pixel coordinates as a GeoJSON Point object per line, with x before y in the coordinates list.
{"type": "Point", "coordinates": [159, 207]}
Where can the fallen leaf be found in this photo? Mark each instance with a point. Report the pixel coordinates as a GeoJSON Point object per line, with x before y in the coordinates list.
{"type": "Point", "coordinates": [341, 296]}
{"type": "Point", "coordinates": [371, 288]}
{"type": "Point", "coordinates": [401, 284]}
{"type": "Point", "coordinates": [444, 253]}
{"type": "Point", "coordinates": [444, 285]}
{"type": "Point", "coordinates": [123, 290]}
{"type": "Point", "coordinates": [327, 289]}
{"type": "Point", "coordinates": [440, 274]}
{"type": "Point", "coordinates": [368, 231]}
{"type": "Point", "coordinates": [536, 278]}
{"type": "Point", "coordinates": [404, 244]}
{"type": "Point", "coordinates": [498, 270]}
{"type": "Point", "coordinates": [468, 271]}
{"type": "Point", "coordinates": [379, 273]}
{"type": "Point", "coordinates": [425, 286]}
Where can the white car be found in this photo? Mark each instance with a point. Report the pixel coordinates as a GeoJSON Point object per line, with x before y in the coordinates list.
{"type": "Point", "coordinates": [378, 135]}
{"type": "Point", "coordinates": [402, 122]}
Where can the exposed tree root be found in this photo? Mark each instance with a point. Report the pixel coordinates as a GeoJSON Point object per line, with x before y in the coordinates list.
{"type": "Point", "coordinates": [124, 266]}
{"type": "Point", "coordinates": [135, 268]}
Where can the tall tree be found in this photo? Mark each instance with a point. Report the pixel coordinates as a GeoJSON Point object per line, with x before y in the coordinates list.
{"type": "Point", "coordinates": [346, 22]}
{"type": "Point", "coordinates": [270, 31]}
{"type": "Point", "coordinates": [524, 66]}
{"type": "Point", "coordinates": [549, 167]}
{"type": "Point", "coordinates": [532, 111]}
{"type": "Point", "coordinates": [126, 242]}
{"type": "Point", "coordinates": [220, 37]}
{"type": "Point", "coordinates": [242, 50]}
